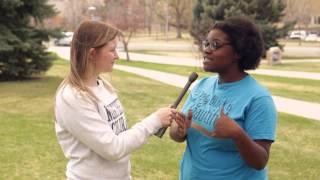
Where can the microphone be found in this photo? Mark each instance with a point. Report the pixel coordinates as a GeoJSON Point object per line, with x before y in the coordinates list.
{"type": "Point", "coordinates": [192, 77]}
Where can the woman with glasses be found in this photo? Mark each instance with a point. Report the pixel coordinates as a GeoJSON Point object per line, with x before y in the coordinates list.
{"type": "Point", "coordinates": [229, 119]}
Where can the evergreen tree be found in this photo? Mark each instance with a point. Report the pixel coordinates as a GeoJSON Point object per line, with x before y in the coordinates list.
{"type": "Point", "coordinates": [266, 13]}
{"type": "Point", "coordinates": [22, 53]}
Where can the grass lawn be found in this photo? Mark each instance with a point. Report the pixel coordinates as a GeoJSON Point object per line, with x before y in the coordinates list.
{"type": "Point", "coordinates": [284, 58]}
{"type": "Point", "coordinates": [172, 53]}
{"type": "Point", "coordinates": [160, 36]}
{"type": "Point", "coordinates": [301, 89]}
{"type": "Point", "coordinates": [195, 53]}
{"type": "Point", "coordinates": [296, 42]}
{"type": "Point", "coordinates": [300, 66]}
{"type": "Point", "coordinates": [30, 149]}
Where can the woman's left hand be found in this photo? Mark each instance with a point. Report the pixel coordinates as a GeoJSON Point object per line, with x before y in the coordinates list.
{"type": "Point", "coordinates": [225, 127]}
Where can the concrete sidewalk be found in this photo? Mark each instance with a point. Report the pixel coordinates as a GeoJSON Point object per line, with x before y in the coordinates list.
{"type": "Point", "coordinates": [290, 106]}
{"type": "Point", "coordinates": [197, 62]}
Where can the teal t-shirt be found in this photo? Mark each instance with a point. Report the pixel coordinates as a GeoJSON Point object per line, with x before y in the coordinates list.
{"type": "Point", "coordinates": [246, 102]}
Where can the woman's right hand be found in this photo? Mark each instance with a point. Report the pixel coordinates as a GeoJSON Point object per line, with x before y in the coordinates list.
{"type": "Point", "coordinates": [166, 116]}
{"type": "Point", "coordinates": [183, 123]}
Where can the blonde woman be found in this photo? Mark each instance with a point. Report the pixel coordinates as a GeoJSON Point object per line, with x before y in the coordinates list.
{"type": "Point", "coordinates": [90, 122]}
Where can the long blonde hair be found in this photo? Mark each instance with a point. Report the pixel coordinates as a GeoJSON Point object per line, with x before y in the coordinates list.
{"type": "Point", "coordinates": [90, 34]}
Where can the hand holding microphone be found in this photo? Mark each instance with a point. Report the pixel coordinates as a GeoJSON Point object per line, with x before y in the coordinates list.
{"type": "Point", "coordinates": [193, 76]}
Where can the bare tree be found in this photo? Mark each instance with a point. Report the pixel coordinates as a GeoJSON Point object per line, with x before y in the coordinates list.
{"type": "Point", "coordinates": [128, 16]}
{"type": "Point", "coordinates": [299, 11]}
{"type": "Point", "coordinates": [176, 13]}
{"type": "Point", "coordinates": [75, 11]}
{"type": "Point", "coordinates": [149, 15]}
{"type": "Point", "coordinates": [182, 12]}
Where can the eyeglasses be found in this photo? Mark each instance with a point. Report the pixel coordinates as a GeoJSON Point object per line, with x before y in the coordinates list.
{"type": "Point", "coordinates": [214, 45]}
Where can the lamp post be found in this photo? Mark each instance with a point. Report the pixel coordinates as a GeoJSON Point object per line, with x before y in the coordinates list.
{"type": "Point", "coordinates": [91, 10]}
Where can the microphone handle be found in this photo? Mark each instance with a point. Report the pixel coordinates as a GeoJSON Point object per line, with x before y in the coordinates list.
{"type": "Point", "coordinates": [162, 130]}
{"type": "Point", "coordinates": [182, 93]}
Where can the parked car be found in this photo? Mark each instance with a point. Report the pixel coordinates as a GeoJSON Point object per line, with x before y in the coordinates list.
{"type": "Point", "coordinates": [298, 35]}
{"type": "Point", "coordinates": [64, 41]}
{"type": "Point", "coordinates": [312, 37]}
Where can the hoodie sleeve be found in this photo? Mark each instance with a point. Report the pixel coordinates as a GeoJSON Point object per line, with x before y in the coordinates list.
{"type": "Point", "coordinates": [80, 117]}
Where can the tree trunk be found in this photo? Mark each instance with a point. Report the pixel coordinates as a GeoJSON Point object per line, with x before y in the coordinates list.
{"type": "Point", "coordinates": [300, 35]}
{"type": "Point", "coordinates": [179, 33]}
{"type": "Point", "coordinates": [125, 46]}
{"type": "Point", "coordinates": [127, 54]}
{"type": "Point", "coordinates": [149, 29]}
{"type": "Point", "coordinates": [178, 27]}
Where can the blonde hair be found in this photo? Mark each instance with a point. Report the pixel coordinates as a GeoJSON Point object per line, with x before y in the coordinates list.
{"type": "Point", "coordinates": [90, 34]}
